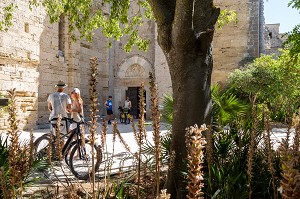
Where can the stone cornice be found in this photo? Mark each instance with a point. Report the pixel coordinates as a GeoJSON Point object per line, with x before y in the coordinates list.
{"type": "Point", "coordinates": [10, 59]}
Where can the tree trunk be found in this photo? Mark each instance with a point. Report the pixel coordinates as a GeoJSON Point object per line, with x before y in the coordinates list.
{"type": "Point", "coordinates": [185, 33]}
{"type": "Point", "coordinates": [192, 105]}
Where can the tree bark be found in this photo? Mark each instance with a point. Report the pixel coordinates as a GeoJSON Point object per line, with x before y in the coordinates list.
{"type": "Point", "coordinates": [185, 34]}
{"type": "Point", "coordinates": [192, 105]}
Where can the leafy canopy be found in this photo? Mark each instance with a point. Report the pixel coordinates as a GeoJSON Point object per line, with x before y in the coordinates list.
{"type": "Point", "coordinates": [273, 81]}
{"type": "Point", "coordinates": [6, 16]}
{"type": "Point", "coordinates": [226, 16]}
{"type": "Point", "coordinates": [112, 17]}
{"type": "Point", "coordinates": [293, 40]}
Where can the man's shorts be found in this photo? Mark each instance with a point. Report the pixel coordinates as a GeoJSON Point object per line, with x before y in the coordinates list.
{"type": "Point", "coordinates": [126, 110]}
{"type": "Point", "coordinates": [109, 112]}
{"type": "Point", "coordinates": [63, 129]}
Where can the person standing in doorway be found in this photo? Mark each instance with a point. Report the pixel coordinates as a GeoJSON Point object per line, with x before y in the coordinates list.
{"type": "Point", "coordinates": [59, 103]}
{"type": "Point", "coordinates": [126, 109]}
{"type": "Point", "coordinates": [127, 105]}
{"type": "Point", "coordinates": [109, 109]}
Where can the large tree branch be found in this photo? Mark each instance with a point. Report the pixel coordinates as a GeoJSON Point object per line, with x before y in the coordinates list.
{"type": "Point", "coordinates": [192, 18]}
{"type": "Point", "coordinates": [205, 15]}
{"type": "Point", "coordinates": [163, 10]}
{"type": "Point", "coordinates": [182, 25]}
{"type": "Point", "coordinates": [164, 14]}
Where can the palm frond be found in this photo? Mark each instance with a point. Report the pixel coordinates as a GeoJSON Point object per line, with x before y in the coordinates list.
{"type": "Point", "coordinates": [167, 111]}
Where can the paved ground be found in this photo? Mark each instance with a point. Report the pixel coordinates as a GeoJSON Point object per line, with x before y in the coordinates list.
{"type": "Point", "coordinates": [279, 134]}
{"type": "Point", "coordinates": [125, 130]}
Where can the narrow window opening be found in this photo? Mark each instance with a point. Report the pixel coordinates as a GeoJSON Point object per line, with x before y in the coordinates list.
{"type": "Point", "coordinates": [26, 27]}
{"type": "Point", "coordinates": [270, 35]}
{"type": "Point", "coordinates": [61, 36]}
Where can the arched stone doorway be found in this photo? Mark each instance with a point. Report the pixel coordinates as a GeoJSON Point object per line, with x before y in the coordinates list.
{"type": "Point", "coordinates": [129, 76]}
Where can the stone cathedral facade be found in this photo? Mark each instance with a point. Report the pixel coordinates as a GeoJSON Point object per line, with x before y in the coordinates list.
{"type": "Point", "coordinates": [35, 54]}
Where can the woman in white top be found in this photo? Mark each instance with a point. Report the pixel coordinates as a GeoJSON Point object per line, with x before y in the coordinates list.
{"type": "Point", "coordinates": [126, 110]}
{"type": "Point", "coordinates": [76, 107]}
{"type": "Point", "coordinates": [127, 105]}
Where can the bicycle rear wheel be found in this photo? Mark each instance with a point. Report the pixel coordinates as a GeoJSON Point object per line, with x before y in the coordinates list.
{"type": "Point", "coordinates": [80, 161]}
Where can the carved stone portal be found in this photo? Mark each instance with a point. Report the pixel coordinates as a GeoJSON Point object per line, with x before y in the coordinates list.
{"type": "Point", "coordinates": [135, 70]}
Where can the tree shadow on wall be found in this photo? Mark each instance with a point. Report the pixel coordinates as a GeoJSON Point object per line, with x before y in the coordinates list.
{"type": "Point", "coordinates": [245, 61]}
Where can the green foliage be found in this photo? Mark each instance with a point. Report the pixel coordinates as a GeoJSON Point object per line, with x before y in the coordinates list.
{"type": "Point", "coordinates": [165, 149]}
{"type": "Point", "coordinates": [227, 108]}
{"type": "Point", "coordinates": [229, 170]}
{"type": "Point", "coordinates": [293, 41]}
{"type": "Point", "coordinates": [6, 16]}
{"type": "Point", "coordinates": [147, 9]}
{"type": "Point", "coordinates": [257, 77]}
{"type": "Point", "coordinates": [167, 111]}
{"type": "Point", "coordinates": [121, 189]}
{"type": "Point", "coordinates": [273, 82]}
{"type": "Point", "coordinates": [226, 16]}
{"type": "Point", "coordinates": [112, 17]}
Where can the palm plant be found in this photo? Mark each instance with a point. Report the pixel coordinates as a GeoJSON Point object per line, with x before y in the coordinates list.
{"type": "Point", "coordinates": [228, 171]}
{"type": "Point", "coordinates": [167, 111]}
{"type": "Point", "coordinates": [227, 108]}
{"type": "Point", "coordinates": [165, 143]}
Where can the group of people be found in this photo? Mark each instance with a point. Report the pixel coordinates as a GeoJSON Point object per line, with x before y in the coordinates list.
{"type": "Point", "coordinates": [61, 103]}
{"type": "Point", "coordinates": [109, 107]}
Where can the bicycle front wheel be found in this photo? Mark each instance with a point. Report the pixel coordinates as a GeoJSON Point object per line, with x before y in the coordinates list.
{"type": "Point", "coordinates": [80, 161]}
{"type": "Point", "coordinates": [40, 146]}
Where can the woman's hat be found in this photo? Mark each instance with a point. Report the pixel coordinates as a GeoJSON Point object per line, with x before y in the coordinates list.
{"type": "Point", "coordinates": [61, 84]}
{"type": "Point", "coordinates": [76, 90]}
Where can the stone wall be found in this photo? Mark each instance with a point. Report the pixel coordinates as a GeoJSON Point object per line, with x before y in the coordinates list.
{"type": "Point", "coordinates": [130, 69]}
{"type": "Point", "coordinates": [31, 62]}
{"type": "Point", "coordinates": [236, 43]}
{"type": "Point", "coordinates": [19, 61]}
{"type": "Point", "coordinates": [22, 75]}
{"type": "Point", "coordinates": [273, 39]}
{"type": "Point", "coordinates": [35, 54]}
{"type": "Point", "coordinates": [73, 67]}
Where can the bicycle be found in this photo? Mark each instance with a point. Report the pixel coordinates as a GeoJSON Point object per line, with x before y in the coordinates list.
{"type": "Point", "coordinates": [77, 153]}
{"type": "Point", "coordinates": [125, 116]}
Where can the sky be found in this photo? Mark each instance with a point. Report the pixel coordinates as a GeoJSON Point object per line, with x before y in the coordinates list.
{"type": "Point", "coordinates": [277, 11]}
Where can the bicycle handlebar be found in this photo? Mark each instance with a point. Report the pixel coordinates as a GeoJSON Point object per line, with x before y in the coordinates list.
{"type": "Point", "coordinates": [71, 120]}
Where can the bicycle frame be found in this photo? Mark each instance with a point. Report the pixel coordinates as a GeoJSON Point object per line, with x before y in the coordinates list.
{"type": "Point", "coordinates": [70, 148]}
{"type": "Point", "coordinates": [74, 132]}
